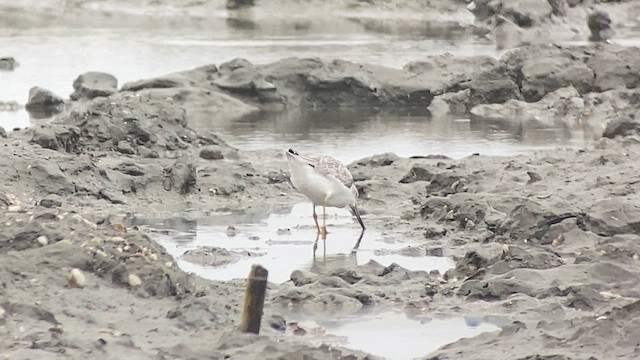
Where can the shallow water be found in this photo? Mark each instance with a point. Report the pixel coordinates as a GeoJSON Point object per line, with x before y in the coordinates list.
{"type": "Point", "coordinates": [285, 243]}
{"type": "Point", "coordinates": [391, 334]}
{"type": "Point", "coordinates": [54, 57]}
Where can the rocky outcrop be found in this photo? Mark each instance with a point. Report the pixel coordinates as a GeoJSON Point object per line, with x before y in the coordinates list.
{"type": "Point", "coordinates": [94, 84]}
{"type": "Point", "coordinates": [42, 100]}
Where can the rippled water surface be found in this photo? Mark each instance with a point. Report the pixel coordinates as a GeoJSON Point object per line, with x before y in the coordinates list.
{"type": "Point", "coordinates": [283, 242]}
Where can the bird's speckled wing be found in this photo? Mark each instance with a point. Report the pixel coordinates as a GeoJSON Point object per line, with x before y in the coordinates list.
{"type": "Point", "coordinates": [328, 166]}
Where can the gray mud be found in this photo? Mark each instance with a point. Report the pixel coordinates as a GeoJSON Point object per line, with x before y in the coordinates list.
{"type": "Point", "coordinates": [547, 241]}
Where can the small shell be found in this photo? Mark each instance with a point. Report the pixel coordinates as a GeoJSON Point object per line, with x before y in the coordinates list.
{"type": "Point", "coordinates": [134, 280]}
{"type": "Point", "coordinates": [43, 240]}
{"type": "Point", "coordinates": [77, 279]}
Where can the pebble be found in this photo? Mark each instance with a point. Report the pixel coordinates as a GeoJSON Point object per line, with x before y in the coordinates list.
{"type": "Point", "coordinates": [231, 230]}
{"type": "Point", "coordinates": [449, 215]}
{"type": "Point", "coordinates": [168, 264]}
{"type": "Point", "coordinates": [96, 240]}
{"type": "Point", "coordinates": [77, 279]}
{"type": "Point", "coordinates": [43, 240]}
{"type": "Point", "coordinates": [470, 224]}
{"type": "Point", "coordinates": [153, 257]}
{"type": "Point", "coordinates": [116, 239]}
{"type": "Point", "coordinates": [134, 280]}
{"type": "Point", "coordinates": [117, 226]}
{"type": "Point", "coordinates": [2, 312]}
{"type": "Point", "coordinates": [14, 208]}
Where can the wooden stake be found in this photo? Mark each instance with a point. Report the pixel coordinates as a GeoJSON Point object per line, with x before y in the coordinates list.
{"type": "Point", "coordinates": [254, 300]}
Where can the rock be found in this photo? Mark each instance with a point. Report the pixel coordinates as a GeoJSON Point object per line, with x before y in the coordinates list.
{"type": "Point", "coordinates": [125, 147]}
{"type": "Point", "coordinates": [278, 323]}
{"type": "Point", "coordinates": [562, 106]}
{"type": "Point", "coordinates": [533, 177]}
{"type": "Point", "coordinates": [613, 216]}
{"type": "Point", "coordinates": [181, 177]}
{"type": "Point", "coordinates": [599, 23]}
{"type": "Point", "coordinates": [384, 159]}
{"type": "Point", "coordinates": [211, 153]}
{"type": "Point", "coordinates": [156, 83]}
{"type": "Point", "coordinates": [51, 201]}
{"type": "Point", "coordinates": [418, 173]}
{"type": "Point", "coordinates": [239, 4]}
{"type": "Point", "coordinates": [558, 7]}
{"type": "Point", "coordinates": [516, 257]}
{"type": "Point", "coordinates": [202, 104]}
{"type": "Point", "coordinates": [244, 79]}
{"type": "Point", "coordinates": [42, 98]}
{"type": "Point", "coordinates": [151, 124]}
{"type": "Point", "coordinates": [55, 137]}
{"type": "Point", "coordinates": [450, 103]}
{"type": "Point", "coordinates": [448, 73]}
{"type": "Point", "coordinates": [94, 84]}
{"type": "Point", "coordinates": [9, 106]}
{"type": "Point", "coordinates": [542, 76]}
{"type": "Point", "coordinates": [8, 63]}
{"type": "Point", "coordinates": [525, 13]}
{"type": "Point", "coordinates": [614, 67]}
{"type": "Point", "coordinates": [50, 178]}
{"type": "Point", "coordinates": [621, 126]}
{"type": "Point", "coordinates": [493, 86]}
{"type": "Point", "coordinates": [215, 256]}
{"type": "Point", "coordinates": [506, 34]}
{"type": "Point", "coordinates": [3, 133]}
{"type": "Point", "coordinates": [76, 279]}
{"type": "Point", "coordinates": [314, 83]}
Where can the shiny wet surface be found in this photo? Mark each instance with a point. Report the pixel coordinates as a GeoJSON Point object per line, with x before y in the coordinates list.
{"type": "Point", "coordinates": [389, 334]}
{"type": "Point", "coordinates": [283, 242]}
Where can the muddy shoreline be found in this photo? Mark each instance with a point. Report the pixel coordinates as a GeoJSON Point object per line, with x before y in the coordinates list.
{"type": "Point", "coordinates": [546, 244]}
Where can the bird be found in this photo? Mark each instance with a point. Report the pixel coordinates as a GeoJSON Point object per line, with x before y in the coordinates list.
{"type": "Point", "coordinates": [327, 183]}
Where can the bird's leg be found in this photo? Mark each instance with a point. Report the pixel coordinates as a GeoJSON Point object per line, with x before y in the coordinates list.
{"type": "Point", "coordinates": [357, 214]}
{"type": "Point", "coordinates": [324, 248]}
{"type": "Point", "coordinates": [315, 218]}
{"type": "Point", "coordinates": [323, 231]}
{"type": "Point", "coordinates": [315, 244]}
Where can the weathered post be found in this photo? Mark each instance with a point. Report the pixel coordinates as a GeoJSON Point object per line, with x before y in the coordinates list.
{"type": "Point", "coordinates": [254, 300]}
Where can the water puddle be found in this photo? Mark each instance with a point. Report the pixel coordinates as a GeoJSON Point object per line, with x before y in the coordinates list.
{"type": "Point", "coordinates": [283, 242]}
{"type": "Point", "coordinates": [389, 334]}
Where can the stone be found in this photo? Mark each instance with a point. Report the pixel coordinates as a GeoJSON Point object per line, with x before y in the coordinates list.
{"type": "Point", "coordinates": [599, 23]}
{"type": "Point", "coordinates": [94, 84]}
{"type": "Point", "coordinates": [542, 76]}
{"type": "Point", "coordinates": [42, 98]}
{"type": "Point", "coordinates": [614, 67]}
{"type": "Point", "coordinates": [621, 126]}
{"type": "Point", "coordinates": [211, 153]}
{"type": "Point", "coordinates": [8, 63]}
{"type": "Point", "coordinates": [125, 147]}
{"type": "Point", "coordinates": [561, 106]}
{"type": "Point", "coordinates": [493, 86]}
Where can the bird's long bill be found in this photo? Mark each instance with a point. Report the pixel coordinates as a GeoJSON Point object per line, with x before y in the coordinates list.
{"type": "Point", "coordinates": [357, 214]}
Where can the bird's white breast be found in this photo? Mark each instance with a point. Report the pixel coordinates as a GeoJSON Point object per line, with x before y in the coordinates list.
{"type": "Point", "coordinates": [316, 187]}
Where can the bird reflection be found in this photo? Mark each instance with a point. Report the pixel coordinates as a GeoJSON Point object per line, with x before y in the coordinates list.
{"type": "Point", "coordinates": [331, 262]}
